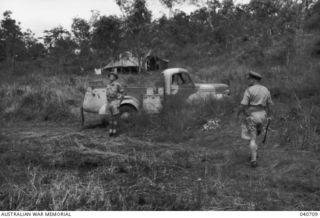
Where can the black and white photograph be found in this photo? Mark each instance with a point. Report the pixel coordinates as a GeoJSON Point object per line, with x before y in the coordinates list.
{"type": "Point", "coordinates": [159, 105]}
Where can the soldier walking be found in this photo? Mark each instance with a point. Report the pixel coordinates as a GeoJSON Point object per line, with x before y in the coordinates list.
{"type": "Point", "coordinates": [114, 97]}
{"type": "Point", "coordinates": [255, 105]}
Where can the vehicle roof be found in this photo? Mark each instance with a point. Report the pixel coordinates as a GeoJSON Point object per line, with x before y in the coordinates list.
{"type": "Point", "coordinates": [171, 71]}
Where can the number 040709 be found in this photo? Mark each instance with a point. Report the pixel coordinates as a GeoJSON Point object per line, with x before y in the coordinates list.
{"type": "Point", "coordinates": [309, 214]}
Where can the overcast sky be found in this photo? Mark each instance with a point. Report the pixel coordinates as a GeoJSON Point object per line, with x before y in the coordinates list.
{"type": "Point", "coordinates": [40, 15]}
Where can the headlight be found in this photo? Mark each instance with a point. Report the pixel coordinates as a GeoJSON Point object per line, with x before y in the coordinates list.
{"type": "Point", "coordinates": [227, 92]}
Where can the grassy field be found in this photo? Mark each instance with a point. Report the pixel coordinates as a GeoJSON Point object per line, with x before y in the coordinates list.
{"type": "Point", "coordinates": [165, 162]}
{"type": "Point", "coordinates": [47, 166]}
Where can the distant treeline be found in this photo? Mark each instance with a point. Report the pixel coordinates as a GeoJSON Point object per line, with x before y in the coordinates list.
{"type": "Point", "coordinates": [219, 27]}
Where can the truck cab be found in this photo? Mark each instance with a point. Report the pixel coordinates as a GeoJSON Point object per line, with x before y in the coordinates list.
{"type": "Point", "coordinates": [174, 82]}
{"type": "Point", "coordinates": [179, 82]}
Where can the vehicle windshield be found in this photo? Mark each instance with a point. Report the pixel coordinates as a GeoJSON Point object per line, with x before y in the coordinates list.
{"type": "Point", "coordinates": [181, 79]}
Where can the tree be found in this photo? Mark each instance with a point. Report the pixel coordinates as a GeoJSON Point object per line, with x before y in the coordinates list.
{"type": "Point", "coordinates": [53, 36]}
{"type": "Point", "coordinates": [125, 5]}
{"type": "Point", "coordinates": [33, 48]}
{"type": "Point", "coordinates": [11, 37]}
{"type": "Point", "coordinates": [81, 31]}
{"type": "Point", "coordinates": [36, 50]}
{"type": "Point", "coordinates": [16, 45]}
{"type": "Point", "coordinates": [2, 46]}
{"type": "Point", "coordinates": [60, 45]}
{"type": "Point", "coordinates": [169, 4]}
{"type": "Point", "coordinates": [107, 36]}
{"type": "Point", "coordinates": [313, 19]}
{"type": "Point", "coordinates": [137, 28]}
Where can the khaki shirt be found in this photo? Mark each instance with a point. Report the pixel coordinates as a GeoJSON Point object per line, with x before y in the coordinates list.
{"type": "Point", "coordinates": [114, 91]}
{"type": "Point", "coordinates": [257, 95]}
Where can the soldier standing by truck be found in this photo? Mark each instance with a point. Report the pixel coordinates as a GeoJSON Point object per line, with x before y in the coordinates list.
{"type": "Point", "coordinates": [255, 105]}
{"type": "Point", "coordinates": [114, 96]}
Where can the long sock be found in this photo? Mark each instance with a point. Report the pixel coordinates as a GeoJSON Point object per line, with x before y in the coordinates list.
{"type": "Point", "coordinates": [115, 126]}
{"type": "Point", "coordinates": [253, 147]}
{"type": "Point", "coordinates": [111, 125]}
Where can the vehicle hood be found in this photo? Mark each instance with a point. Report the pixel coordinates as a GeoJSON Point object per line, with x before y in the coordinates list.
{"type": "Point", "coordinates": [218, 87]}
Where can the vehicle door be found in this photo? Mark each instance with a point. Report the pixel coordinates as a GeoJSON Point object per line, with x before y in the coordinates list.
{"type": "Point", "coordinates": [182, 85]}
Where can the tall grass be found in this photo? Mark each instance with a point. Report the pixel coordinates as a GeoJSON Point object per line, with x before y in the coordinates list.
{"type": "Point", "coordinates": [37, 97]}
{"type": "Point", "coordinates": [179, 120]}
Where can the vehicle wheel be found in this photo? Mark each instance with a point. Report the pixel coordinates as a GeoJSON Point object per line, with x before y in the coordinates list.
{"type": "Point", "coordinates": [127, 111]}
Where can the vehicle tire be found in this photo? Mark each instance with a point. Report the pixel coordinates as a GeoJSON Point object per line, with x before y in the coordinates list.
{"type": "Point", "coordinates": [127, 112]}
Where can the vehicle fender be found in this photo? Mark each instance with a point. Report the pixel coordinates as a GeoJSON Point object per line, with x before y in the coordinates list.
{"type": "Point", "coordinates": [129, 100]}
{"type": "Point", "coordinates": [103, 109]}
{"type": "Point", "coordinates": [94, 99]}
{"type": "Point", "coordinates": [202, 96]}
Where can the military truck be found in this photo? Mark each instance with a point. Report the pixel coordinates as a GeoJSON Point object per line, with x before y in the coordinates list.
{"type": "Point", "coordinates": [174, 82]}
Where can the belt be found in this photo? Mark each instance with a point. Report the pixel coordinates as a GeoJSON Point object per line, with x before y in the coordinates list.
{"type": "Point", "coordinates": [257, 107]}
{"type": "Point", "coordinates": [254, 108]}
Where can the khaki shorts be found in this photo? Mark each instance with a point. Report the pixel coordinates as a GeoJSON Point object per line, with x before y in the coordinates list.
{"type": "Point", "coordinates": [253, 125]}
{"type": "Point", "coordinates": [113, 107]}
